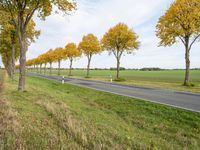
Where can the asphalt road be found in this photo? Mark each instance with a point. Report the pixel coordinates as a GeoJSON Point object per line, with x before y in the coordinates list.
{"type": "Point", "coordinates": [184, 100]}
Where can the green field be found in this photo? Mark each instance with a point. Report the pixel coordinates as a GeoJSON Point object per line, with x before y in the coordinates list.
{"type": "Point", "coordinates": [52, 116]}
{"type": "Point", "coordinates": [172, 79]}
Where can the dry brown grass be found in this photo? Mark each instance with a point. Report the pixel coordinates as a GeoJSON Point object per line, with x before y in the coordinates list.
{"type": "Point", "coordinates": [9, 128]}
{"type": "Point", "coordinates": [59, 111]}
{"type": "Point", "coordinates": [9, 125]}
{"type": "Point", "coordinates": [2, 78]}
{"type": "Point", "coordinates": [85, 138]}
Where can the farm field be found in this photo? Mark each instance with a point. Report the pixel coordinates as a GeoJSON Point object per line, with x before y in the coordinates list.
{"type": "Point", "coordinates": [54, 116]}
{"type": "Point", "coordinates": [172, 79]}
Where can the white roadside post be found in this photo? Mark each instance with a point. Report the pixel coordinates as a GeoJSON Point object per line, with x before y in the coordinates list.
{"type": "Point", "coordinates": [63, 79]}
{"type": "Point", "coordinates": [111, 78]}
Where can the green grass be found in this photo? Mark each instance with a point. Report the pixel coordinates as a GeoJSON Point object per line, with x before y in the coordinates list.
{"type": "Point", "coordinates": [172, 79]}
{"type": "Point", "coordinates": [54, 116]}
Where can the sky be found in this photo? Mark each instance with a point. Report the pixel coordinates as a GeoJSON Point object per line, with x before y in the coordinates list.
{"type": "Point", "coordinates": [97, 16]}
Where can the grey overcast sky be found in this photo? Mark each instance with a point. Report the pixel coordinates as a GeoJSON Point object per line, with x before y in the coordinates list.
{"type": "Point", "coordinates": [97, 16]}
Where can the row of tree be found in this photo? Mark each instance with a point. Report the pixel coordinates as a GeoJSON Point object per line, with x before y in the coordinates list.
{"type": "Point", "coordinates": [9, 43]}
{"type": "Point", "coordinates": [181, 22]}
{"type": "Point", "coordinates": [117, 40]}
{"type": "Point", "coordinates": [69, 52]}
{"type": "Point", "coordinates": [19, 14]}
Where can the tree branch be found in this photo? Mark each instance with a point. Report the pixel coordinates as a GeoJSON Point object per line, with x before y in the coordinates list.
{"type": "Point", "coordinates": [29, 16]}
{"type": "Point", "coordinates": [120, 54]}
{"type": "Point", "coordinates": [181, 39]}
{"type": "Point", "coordinates": [194, 41]}
{"type": "Point", "coordinates": [114, 53]}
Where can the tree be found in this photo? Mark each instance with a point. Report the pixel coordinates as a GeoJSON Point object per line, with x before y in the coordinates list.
{"type": "Point", "coordinates": [37, 62]}
{"type": "Point", "coordinates": [89, 46]}
{"type": "Point", "coordinates": [58, 55]}
{"type": "Point", "coordinates": [10, 40]}
{"type": "Point", "coordinates": [22, 12]}
{"type": "Point", "coordinates": [30, 63]}
{"type": "Point", "coordinates": [50, 59]}
{"type": "Point", "coordinates": [34, 65]}
{"type": "Point", "coordinates": [45, 58]}
{"type": "Point", "coordinates": [118, 40]}
{"type": "Point", "coordinates": [8, 48]}
{"type": "Point", "coordinates": [181, 22]}
{"type": "Point", "coordinates": [9, 35]}
{"type": "Point", "coordinates": [71, 51]}
{"type": "Point", "coordinates": [40, 61]}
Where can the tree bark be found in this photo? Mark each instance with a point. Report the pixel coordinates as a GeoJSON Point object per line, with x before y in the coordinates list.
{"type": "Point", "coordinates": [58, 67]}
{"type": "Point", "coordinates": [187, 62]}
{"type": "Point", "coordinates": [88, 66]}
{"type": "Point", "coordinates": [118, 67]}
{"type": "Point", "coordinates": [13, 62]}
{"type": "Point", "coordinates": [45, 66]}
{"type": "Point", "coordinates": [70, 68]}
{"type": "Point", "coordinates": [22, 60]}
{"type": "Point", "coordinates": [40, 68]}
{"type": "Point", "coordinates": [23, 48]}
{"type": "Point", "coordinates": [9, 66]}
{"type": "Point", "coordinates": [37, 69]}
{"type": "Point", "coordinates": [50, 67]}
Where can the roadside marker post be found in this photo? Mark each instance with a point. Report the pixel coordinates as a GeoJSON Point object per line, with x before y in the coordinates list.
{"type": "Point", "coordinates": [63, 79]}
{"type": "Point", "coordinates": [111, 78]}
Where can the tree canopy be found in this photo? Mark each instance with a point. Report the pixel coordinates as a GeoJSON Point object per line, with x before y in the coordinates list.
{"type": "Point", "coordinates": [120, 39]}
{"type": "Point", "coordinates": [89, 46]}
{"type": "Point", "coordinates": [71, 51]}
{"type": "Point", "coordinates": [181, 22]}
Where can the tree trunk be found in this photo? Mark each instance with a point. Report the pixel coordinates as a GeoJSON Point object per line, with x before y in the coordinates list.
{"type": "Point", "coordinates": [13, 62]}
{"type": "Point", "coordinates": [9, 66]}
{"type": "Point", "coordinates": [40, 68]}
{"type": "Point", "coordinates": [187, 62]}
{"type": "Point", "coordinates": [88, 66]}
{"type": "Point", "coordinates": [118, 67]}
{"type": "Point", "coordinates": [50, 67]}
{"type": "Point", "coordinates": [23, 49]}
{"type": "Point", "coordinates": [58, 67]}
{"type": "Point", "coordinates": [70, 68]}
{"type": "Point", "coordinates": [37, 69]}
{"type": "Point", "coordinates": [45, 66]}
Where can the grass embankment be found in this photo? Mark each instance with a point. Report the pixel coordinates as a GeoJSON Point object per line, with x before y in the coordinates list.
{"type": "Point", "coordinates": [54, 116]}
{"type": "Point", "coordinates": [172, 79]}
{"type": "Point", "coordinates": [8, 120]}
{"type": "Point", "coordinates": [2, 77]}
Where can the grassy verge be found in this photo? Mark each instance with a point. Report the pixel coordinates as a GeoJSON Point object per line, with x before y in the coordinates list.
{"type": "Point", "coordinates": [172, 79]}
{"type": "Point", "coordinates": [54, 116]}
{"type": "Point", "coordinates": [8, 120]}
{"type": "Point", "coordinates": [2, 77]}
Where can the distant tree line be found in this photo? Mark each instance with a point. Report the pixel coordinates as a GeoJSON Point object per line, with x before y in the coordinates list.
{"type": "Point", "coordinates": [151, 69]}
{"type": "Point", "coordinates": [122, 68]}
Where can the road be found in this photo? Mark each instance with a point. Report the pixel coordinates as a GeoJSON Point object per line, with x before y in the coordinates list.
{"type": "Point", "coordinates": [184, 100]}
